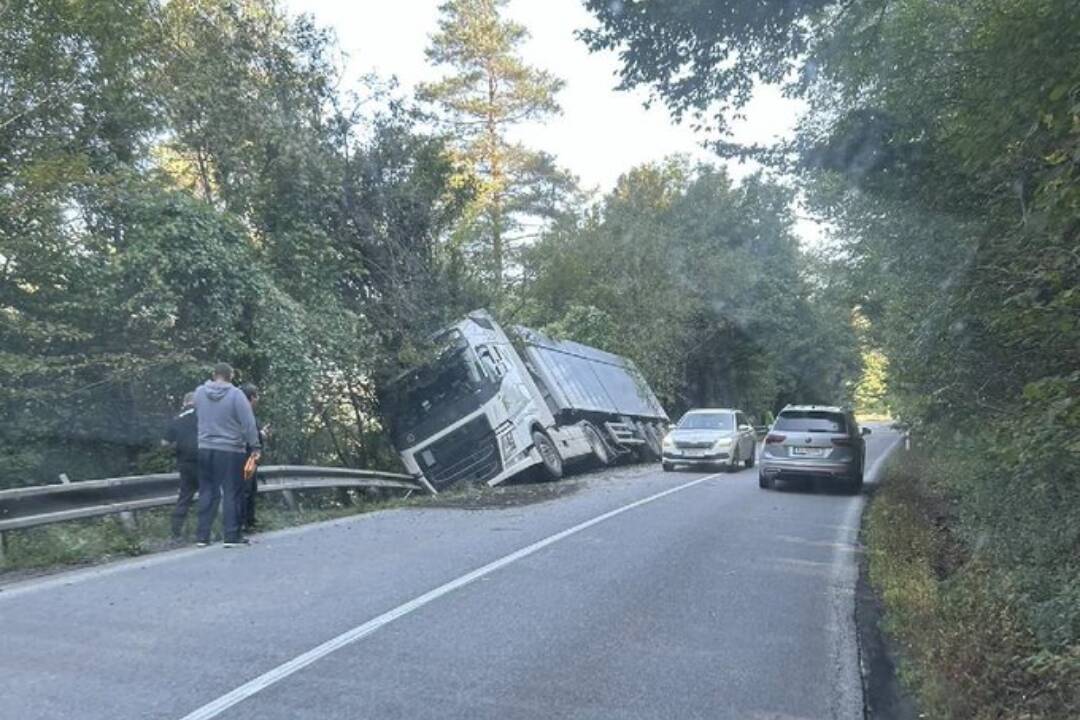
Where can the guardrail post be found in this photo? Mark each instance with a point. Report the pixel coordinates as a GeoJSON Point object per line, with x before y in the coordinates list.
{"type": "Point", "coordinates": [127, 519]}
{"type": "Point", "coordinates": [3, 548]}
{"type": "Point", "coordinates": [344, 497]}
{"type": "Point", "coordinates": [290, 500]}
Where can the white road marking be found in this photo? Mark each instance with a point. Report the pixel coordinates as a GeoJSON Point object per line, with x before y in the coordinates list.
{"type": "Point", "coordinates": [841, 634]}
{"type": "Point", "coordinates": [223, 703]}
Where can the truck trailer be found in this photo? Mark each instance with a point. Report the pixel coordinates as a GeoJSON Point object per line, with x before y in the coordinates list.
{"type": "Point", "coordinates": [492, 404]}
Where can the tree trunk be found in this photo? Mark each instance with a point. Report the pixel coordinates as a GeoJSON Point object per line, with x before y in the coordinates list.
{"type": "Point", "coordinates": [495, 165]}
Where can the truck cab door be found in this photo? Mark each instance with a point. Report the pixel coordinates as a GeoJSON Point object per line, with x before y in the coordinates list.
{"type": "Point", "coordinates": [513, 393]}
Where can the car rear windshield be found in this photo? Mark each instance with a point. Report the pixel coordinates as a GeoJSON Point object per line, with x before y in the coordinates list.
{"type": "Point", "coordinates": [811, 421]}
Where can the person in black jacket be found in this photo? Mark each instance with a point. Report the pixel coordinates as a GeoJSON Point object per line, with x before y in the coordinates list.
{"type": "Point", "coordinates": [182, 435]}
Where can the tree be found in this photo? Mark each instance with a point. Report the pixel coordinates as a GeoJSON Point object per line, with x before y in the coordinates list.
{"type": "Point", "coordinates": [942, 140]}
{"type": "Point", "coordinates": [698, 280]}
{"type": "Point", "coordinates": [490, 89]}
{"type": "Point", "coordinates": [700, 57]}
{"type": "Point", "coordinates": [180, 184]}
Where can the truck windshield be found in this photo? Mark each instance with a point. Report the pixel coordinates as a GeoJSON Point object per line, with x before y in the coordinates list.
{"type": "Point", "coordinates": [426, 399]}
{"type": "Point", "coordinates": [707, 421]}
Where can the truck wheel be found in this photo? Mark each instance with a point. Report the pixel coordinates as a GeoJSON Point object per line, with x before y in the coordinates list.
{"type": "Point", "coordinates": [749, 462]}
{"type": "Point", "coordinates": [763, 483]}
{"type": "Point", "coordinates": [551, 461]}
{"type": "Point", "coordinates": [650, 451]}
{"type": "Point", "coordinates": [668, 467]}
{"type": "Point", "coordinates": [599, 447]}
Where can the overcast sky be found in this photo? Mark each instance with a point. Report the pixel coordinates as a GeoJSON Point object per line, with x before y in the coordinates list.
{"type": "Point", "coordinates": [601, 133]}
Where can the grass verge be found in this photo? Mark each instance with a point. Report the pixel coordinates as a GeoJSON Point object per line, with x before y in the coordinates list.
{"type": "Point", "coordinates": [968, 650]}
{"type": "Point", "coordinates": [103, 539]}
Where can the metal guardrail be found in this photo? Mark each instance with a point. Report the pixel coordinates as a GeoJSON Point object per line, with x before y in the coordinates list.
{"type": "Point", "coordinates": [38, 505]}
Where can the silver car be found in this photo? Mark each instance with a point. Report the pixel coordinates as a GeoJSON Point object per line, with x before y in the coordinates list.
{"type": "Point", "coordinates": [814, 441]}
{"type": "Point", "coordinates": [710, 437]}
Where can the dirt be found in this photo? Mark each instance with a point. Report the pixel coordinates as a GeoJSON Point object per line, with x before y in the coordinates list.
{"type": "Point", "coordinates": [526, 492]}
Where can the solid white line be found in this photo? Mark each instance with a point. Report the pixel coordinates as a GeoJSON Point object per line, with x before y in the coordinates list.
{"type": "Point", "coordinates": [846, 701]}
{"type": "Point", "coordinates": [223, 703]}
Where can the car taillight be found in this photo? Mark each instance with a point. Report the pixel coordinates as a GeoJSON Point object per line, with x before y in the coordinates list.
{"type": "Point", "coordinates": [772, 438]}
{"type": "Point", "coordinates": [841, 442]}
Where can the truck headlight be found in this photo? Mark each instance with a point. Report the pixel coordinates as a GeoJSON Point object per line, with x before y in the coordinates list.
{"type": "Point", "coordinates": [668, 443]}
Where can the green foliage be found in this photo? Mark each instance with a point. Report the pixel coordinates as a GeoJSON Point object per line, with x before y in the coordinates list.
{"type": "Point", "coordinates": [699, 282]}
{"type": "Point", "coordinates": [490, 90]}
{"type": "Point", "coordinates": [99, 540]}
{"type": "Point", "coordinates": [942, 140]}
{"type": "Point", "coordinates": [700, 58]}
{"type": "Point", "coordinates": [970, 646]}
{"type": "Point", "coordinates": [179, 184]}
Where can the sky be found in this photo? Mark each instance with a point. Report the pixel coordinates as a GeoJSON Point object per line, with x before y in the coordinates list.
{"type": "Point", "coordinates": [601, 133]}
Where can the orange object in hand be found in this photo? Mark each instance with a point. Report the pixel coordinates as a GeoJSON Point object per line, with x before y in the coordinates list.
{"type": "Point", "coordinates": [250, 465]}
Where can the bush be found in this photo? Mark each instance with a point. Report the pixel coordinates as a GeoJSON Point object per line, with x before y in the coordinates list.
{"type": "Point", "coordinates": [970, 624]}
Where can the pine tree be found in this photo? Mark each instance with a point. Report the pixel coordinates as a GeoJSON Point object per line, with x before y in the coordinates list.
{"type": "Point", "coordinates": [489, 89]}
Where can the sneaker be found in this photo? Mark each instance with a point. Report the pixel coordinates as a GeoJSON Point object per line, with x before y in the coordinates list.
{"type": "Point", "coordinates": [237, 543]}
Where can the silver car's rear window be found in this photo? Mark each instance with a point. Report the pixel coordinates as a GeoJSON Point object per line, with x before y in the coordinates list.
{"type": "Point", "coordinates": [811, 421]}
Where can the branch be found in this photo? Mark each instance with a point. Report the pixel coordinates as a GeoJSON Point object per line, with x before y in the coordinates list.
{"type": "Point", "coordinates": [33, 107]}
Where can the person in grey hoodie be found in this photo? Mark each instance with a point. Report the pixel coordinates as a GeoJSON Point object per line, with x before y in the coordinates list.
{"type": "Point", "coordinates": [226, 434]}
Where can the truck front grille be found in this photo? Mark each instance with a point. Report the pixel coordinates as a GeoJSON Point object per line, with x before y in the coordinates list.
{"type": "Point", "coordinates": [469, 453]}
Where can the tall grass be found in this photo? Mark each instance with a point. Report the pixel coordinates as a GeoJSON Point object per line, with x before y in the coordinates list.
{"type": "Point", "coordinates": [966, 622]}
{"type": "Point", "coordinates": [101, 539]}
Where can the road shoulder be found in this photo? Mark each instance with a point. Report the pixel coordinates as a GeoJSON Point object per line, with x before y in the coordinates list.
{"type": "Point", "coordinates": [884, 696]}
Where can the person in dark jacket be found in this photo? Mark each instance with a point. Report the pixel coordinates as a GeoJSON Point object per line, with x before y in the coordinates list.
{"type": "Point", "coordinates": [251, 392]}
{"type": "Point", "coordinates": [182, 434]}
{"type": "Point", "coordinates": [226, 436]}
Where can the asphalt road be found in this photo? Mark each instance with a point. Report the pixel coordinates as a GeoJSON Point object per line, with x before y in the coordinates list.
{"type": "Point", "coordinates": [713, 600]}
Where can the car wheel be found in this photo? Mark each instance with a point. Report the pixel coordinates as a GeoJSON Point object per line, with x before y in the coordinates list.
{"type": "Point", "coordinates": [668, 467]}
{"type": "Point", "coordinates": [753, 455]}
{"type": "Point", "coordinates": [763, 482]}
{"type": "Point", "coordinates": [550, 461]}
{"type": "Point", "coordinates": [855, 485]}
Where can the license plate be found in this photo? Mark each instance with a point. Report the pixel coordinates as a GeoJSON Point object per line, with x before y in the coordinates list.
{"type": "Point", "coordinates": [808, 451]}
{"type": "Point", "coordinates": [694, 453]}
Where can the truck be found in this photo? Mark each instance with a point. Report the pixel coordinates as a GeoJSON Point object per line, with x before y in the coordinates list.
{"type": "Point", "coordinates": [490, 404]}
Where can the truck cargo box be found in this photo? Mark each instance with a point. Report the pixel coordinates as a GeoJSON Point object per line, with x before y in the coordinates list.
{"type": "Point", "coordinates": [582, 379]}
